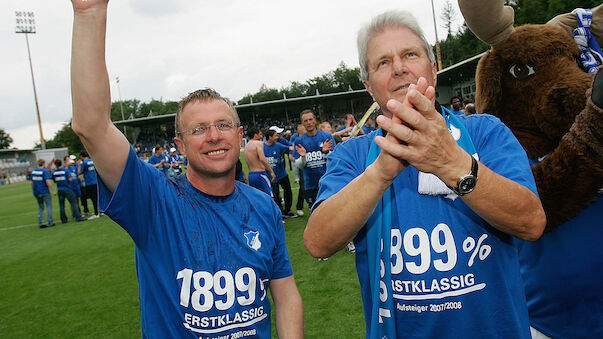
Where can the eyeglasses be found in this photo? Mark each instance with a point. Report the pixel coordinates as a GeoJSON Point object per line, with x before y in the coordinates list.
{"type": "Point", "coordinates": [225, 126]}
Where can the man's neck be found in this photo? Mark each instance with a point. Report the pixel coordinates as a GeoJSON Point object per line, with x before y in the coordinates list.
{"type": "Point", "coordinates": [313, 133]}
{"type": "Point", "coordinates": [216, 186]}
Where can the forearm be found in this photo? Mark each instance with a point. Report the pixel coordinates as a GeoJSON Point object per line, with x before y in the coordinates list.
{"type": "Point", "coordinates": [288, 308]}
{"type": "Point", "coordinates": [89, 79]}
{"type": "Point", "coordinates": [507, 205]}
{"type": "Point", "coordinates": [91, 96]}
{"type": "Point", "coordinates": [267, 166]}
{"type": "Point", "coordinates": [337, 220]}
{"type": "Point", "coordinates": [50, 186]}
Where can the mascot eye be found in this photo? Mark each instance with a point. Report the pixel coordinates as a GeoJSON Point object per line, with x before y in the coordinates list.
{"type": "Point", "coordinates": [520, 71]}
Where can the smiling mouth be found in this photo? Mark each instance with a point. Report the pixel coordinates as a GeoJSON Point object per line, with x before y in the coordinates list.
{"type": "Point", "coordinates": [216, 152]}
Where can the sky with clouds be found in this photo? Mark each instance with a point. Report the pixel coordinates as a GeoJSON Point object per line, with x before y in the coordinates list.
{"type": "Point", "coordinates": [164, 49]}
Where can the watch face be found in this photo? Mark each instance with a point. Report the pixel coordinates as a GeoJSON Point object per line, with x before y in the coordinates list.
{"type": "Point", "coordinates": [467, 184]}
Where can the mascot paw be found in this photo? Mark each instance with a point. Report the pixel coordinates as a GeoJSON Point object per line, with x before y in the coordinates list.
{"type": "Point", "coordinates": [597, 94]}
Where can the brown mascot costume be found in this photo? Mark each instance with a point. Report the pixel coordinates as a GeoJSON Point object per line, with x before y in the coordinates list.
{"type": "Point", "coordinates": [533, 80]}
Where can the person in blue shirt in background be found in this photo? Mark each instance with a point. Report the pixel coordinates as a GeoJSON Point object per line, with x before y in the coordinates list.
{"type": "Point", "coordinates": [74, 182]}
{"type": "Point", "coordinates": [42, 187]}
{"type": "Point", "coordinates": [311, 149]}
{"type": "Point", "coordinates": [455, 106]}
{"type": "Point", "coordinates": [62, 178]}
{"type": "Point", "coordinates": [90, 179]}
{"type": "Point", "coordinates": [159, 160]}
{"type": "Point", "coordinates": [369, 126]}
{"type": "Point", "coordinates": [274, 149]}
{"type": "Point", "coordinates": [298, 172]}
{"type": "Point", "coordinates": [84, 197]}
{"type": "Point", "coordinates": [175, 161]}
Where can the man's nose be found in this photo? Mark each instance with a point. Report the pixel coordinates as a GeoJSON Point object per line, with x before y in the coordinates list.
{"type": "Point", "coordinates": [399, 66]}
{"type": "Point", "coordinates": [213, 133]}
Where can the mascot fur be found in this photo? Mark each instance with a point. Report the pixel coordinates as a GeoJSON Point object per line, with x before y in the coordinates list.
{"type": "Point", "coordinates": [531, 80]}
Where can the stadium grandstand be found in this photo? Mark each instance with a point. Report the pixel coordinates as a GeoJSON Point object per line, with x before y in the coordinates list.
{"type": "Point", "coordinates": [147, 132]}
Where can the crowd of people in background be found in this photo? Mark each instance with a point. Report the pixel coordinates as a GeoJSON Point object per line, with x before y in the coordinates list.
{"type": "Point", "coordinates": [75, 180]}
{"type": "Point", "coordinates": [279, 143]}
{"type": "Point", "coordinates": [338, 125]}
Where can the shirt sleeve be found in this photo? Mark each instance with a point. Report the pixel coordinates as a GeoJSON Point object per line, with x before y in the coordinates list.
{"type": "Point", "coordinates": [284, 149]}
{"type": "Point", "coordinates": [294, 153]}
{"type": "Point", "coordinates": [284, 141]}
{"type": "Point", "coordinates": [137, 196]}
{"type": "Point", "coordinates": [344, 164]}
{"type": "Point", "coordinates": [500, 151]}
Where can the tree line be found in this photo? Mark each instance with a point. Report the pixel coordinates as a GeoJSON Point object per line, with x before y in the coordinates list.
{"type": "Point", "coordinates": [457, 46]}
{"type": "Point", "coordinates": [463, 44]}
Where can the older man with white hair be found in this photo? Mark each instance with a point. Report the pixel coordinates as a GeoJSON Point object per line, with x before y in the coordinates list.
{"type": "Point", "coordinates": [431, 200]}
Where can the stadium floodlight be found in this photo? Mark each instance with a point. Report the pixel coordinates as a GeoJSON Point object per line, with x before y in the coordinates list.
{"type": "Point", "coordinates": [437, 43]}
{"type": "Point", "coordinates": [26, 24]}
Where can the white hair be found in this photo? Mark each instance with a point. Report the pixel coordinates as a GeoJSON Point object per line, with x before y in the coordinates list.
{"type": "Point", "coordinates": [378, 23]}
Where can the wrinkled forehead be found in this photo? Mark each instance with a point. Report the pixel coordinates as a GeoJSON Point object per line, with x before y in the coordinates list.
{"type": "Point", "coordinates": [396, 36]}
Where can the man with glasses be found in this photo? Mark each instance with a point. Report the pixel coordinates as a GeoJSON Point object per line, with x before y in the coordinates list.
{"type": "Point", "coordinates": [211, 247]}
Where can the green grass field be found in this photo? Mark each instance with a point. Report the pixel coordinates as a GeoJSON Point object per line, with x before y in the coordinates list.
{"type": "Point", "coordinates": [79, 279]}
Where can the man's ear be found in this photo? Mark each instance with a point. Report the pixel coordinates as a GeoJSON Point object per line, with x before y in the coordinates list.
{"type": "Point", "coordinates": [240, 132]}
{"type": "Point", "coordinates": [180, 145]}
{"type": "Point", "coordinates": [368, 88]}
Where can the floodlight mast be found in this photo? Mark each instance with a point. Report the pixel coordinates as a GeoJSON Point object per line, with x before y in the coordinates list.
{"type": "Point", "coordinates": [437, 43]}
{"type": "Point", "coordinates": [26, 24]}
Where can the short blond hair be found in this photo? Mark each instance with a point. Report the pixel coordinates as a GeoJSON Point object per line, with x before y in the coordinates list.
{"type": "Point", "coordinates": [202, 95]}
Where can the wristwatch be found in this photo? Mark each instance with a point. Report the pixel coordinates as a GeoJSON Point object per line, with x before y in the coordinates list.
{"type": "Point", "coordinates": [467, 182]}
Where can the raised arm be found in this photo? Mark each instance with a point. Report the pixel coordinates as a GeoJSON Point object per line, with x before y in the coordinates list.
{"type": "Point", "coordinates": [107, 146]}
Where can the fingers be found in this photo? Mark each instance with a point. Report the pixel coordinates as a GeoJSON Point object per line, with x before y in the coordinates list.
{"type": "Point", "coordinates": [423, 102]}
{"type": "Point", "coordinates": [396, 150]}
{"type": "Point", "coordinates": [407, 114]}
{"type": "Point", "coordinates": [397, 132]}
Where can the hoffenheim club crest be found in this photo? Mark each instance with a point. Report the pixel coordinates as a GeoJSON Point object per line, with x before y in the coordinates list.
{"type": "Point", "coordinates": [253, 240]}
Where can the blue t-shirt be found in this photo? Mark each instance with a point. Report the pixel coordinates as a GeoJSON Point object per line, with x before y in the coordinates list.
{"type": "Point", "coordinates": [563, 277]}
{"type": "Point", "coordinates": [153, 160]}
{"type": "Point", "coordinates": [457, 113]}
{"type": "Point", "coordinates": [174, 159]}
{"type": "Point", "coordinates": [74, 184]}
{"type": "Point", "coordinates": [284, 141]}
{"type": "Point", "coordinates": [293, 138]}
{"type": "Point", "coordinates": [453, 275]}
{"type": "Point", "coordinates": [274, 155]}
{"type": "Point", "coordinates": [89, 172]}
{"type": "Point", "coordinates": [368, 129]}
{"type": "Point", "coordinates": [316, 160]}
{"type": "Point", "coordinates": [38, 178]}
{"type": "Point", "coordinates": [61, 178]}
{"type": "Point", "coordinates": [204, 263]}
